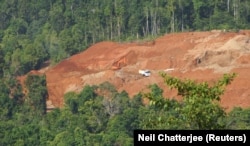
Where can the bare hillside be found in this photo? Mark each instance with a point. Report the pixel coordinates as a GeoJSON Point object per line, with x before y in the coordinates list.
{"type": "Point", "coordinates": [202, 56]}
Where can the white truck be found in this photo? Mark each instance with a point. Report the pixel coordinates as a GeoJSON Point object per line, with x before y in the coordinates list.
{"type": "Point", "coordinates": [145, 73]}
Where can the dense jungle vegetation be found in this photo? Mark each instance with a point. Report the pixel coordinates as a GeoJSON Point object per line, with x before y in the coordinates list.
{"type": "Point", "coordinates": [35, 31]}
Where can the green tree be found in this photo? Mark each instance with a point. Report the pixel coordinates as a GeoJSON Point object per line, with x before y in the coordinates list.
{"type": "Point", "coordinates": [57, 20]}
{"type": "Point", "coordinates": [37, 94]}
{"type": "Point", "coordinates": [71, 101]}
{"type": "Point", "coordinates": [6, 103]}
{"type": "Point", "coordinates": [199, 108]}
{"type": "Point", "coordinates": [64, 138]}
{"type": "Point", "coordinates": [2, 64]}
{"type": "Point", "coordinates": [67, 42]}
{"type": "Point", "coordinates": [238, 118]}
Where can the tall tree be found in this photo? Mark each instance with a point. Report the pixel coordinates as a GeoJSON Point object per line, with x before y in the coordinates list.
{"type": "Point", "coordinates": [1, 62]}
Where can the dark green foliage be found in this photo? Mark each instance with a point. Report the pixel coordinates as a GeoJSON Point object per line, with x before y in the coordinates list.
{"type": "Point", "coordinates": [35, 31]}
{"type": "Point", "coordinates": [161, 113]}
{"type": "Point", "coordinates": [238, 118]}
{"type": "Point", "coordinates": [105, 115]}
{"type": "Point", "coordinates": [11, 97]}
{"type": "Point", "coordinates": [7, 106]}
{"type": "Point", "coordinates": [2, 63]}
{"type": "Point", "coordinates": [86, 94]}
{"type": "Point", "coordinates": [199, 108]}
{"type": "Point", "coordinates": [71, 101]}
{"type": "Point", "coordinates": [37, 93]}
{"type": "Point", "coordinates": [32, 32]}
{"type": "Point", "coordinates": [100, 115]}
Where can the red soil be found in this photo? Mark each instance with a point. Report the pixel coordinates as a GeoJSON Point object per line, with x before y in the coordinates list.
{"type": "Point", "coordinates": [217, 52]}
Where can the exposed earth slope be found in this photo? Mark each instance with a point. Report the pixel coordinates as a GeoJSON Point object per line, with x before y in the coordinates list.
{"type": "Point", "coordinates": [202, 56]}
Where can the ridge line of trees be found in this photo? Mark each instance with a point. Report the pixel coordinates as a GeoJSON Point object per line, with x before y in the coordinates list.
{"type": "Point", "coordinates": [100, 115]}
{"type": "Point", "coordinates": [34, 31]}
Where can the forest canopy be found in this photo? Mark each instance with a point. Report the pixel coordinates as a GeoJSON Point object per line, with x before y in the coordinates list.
{"type": "Point", "coordinates": [33, 32]}
{"type": "Point", "coordinates": [91, 118]}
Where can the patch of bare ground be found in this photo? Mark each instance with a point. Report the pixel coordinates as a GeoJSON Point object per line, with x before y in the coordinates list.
{"type": "Point", "coordinates": [201, 56]}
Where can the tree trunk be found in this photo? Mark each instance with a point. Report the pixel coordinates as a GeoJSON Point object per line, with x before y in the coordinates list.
{"type": "Point", "coordinates": [118, 28]}
{"type": "Point", "coordinates": [86, 38]}
{"type": "Point", "coordinates": [182, 25]}
{"type": "Point", "coordinates": [172, 22]}
{"type": "Point", "coordinates": [147, 29]}
{"type": "Point", "coordinates": [111, 28]}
